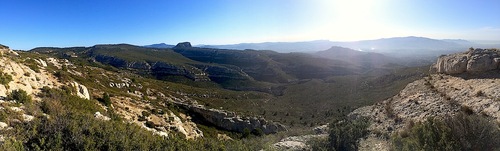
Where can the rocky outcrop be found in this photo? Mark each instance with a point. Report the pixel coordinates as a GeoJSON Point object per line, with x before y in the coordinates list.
{"type": "Point", "coordinates": [475, 60]}
{"type": "Point", "coordinates": [183, 45]}
{"type": "Point", "coordinates": [81, 90]}
{"type": "Point", "coordinates": [99, 116]}
{"type": "Point", "coordinates": [232, 122]}
{"type": "Point", "coordinates": [162, 122]}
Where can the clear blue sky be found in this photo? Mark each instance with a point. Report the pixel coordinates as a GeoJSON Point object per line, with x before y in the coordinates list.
{"type": "Point", "coordinates": [27, 24]}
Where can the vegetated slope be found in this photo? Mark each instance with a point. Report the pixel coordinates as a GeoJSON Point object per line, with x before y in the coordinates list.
{"type": "Point", "coordinates": [83, 106]}
{"type": "Point", "coordinates": [361, 58]}
{"type": "Point", "coordinates": [271, 66]}
{"type": "Point", "coordinates": [306, 88]}
{"type": "Point", "coordinates": [231, 69]}
{"type": "Point", "coordinates": [163, 64]}
{"type": "Point", "coordinates": [472, 88]}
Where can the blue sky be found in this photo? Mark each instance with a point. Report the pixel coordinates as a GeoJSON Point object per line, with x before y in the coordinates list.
{"type": "Point", "coordinates": [27, 24]}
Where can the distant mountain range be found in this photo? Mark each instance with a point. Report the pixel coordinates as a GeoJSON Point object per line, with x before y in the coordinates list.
{"type": "Point", "coordinates": [361, 58]}
{"type": "Point", "coordinates": [160, 45]}
{"type": "Point", "coordinates": [378, 45]}
{"type": "Point", "coordinates": [384, 45]}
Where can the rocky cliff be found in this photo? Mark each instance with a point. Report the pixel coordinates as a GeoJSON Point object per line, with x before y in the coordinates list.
{"type": "Point", "coordinates": [474, 60]}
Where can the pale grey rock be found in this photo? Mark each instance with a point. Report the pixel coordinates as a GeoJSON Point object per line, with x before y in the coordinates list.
{"type": "Point", "coordinates": [81, 90]}
{"type": "Point", "coordinates": [98, 115]}
{"type": "Point", "coordinates": [474, 61]}
{"type": "Point", "coordinates": [452, 64]}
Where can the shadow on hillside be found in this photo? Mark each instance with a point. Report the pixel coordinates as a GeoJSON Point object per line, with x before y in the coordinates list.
{"type": "Point", "coordinates": [494, 74]}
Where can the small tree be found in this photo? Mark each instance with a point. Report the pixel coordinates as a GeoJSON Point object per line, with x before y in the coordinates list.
{"type": "Point", "coordinates": [106, 99]}
{"type": "Point", "coordinates": [20, 96]}
{"type": "Point", "coordinates": [344, 134]}
{"type": "Point", "coordinates": [5, 78]}
{"type": "Point", "coordinates": [246, 133]}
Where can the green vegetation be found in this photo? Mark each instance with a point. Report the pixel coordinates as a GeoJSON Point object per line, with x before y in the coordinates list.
{"type": "Point", "coordinates": [460, 132]}
{"type": "Point", "coordinates": [3, 46]}
{"type": "Point", "coordinates": [32, 64]}
{"type": "Point", "coordinates": [19, 96]}
{"type": "Point", "coordinates": [309, 91]}
{"type": "Point", "coordinates": [279, 79]}
{"type": "Point", "coordinates": [344, 135]}
{"type": "Point", "coordinates": [5, 78]}
{"type": "Point", "coordinates": [71, 126]}
{"type": "Point", "coordinates": [106, 100]}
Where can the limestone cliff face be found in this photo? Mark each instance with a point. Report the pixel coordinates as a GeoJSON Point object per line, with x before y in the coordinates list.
{"type": "Point", "coordinates": [475, 60]}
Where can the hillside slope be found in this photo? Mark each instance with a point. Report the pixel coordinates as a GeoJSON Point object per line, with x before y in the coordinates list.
{"type": "Point", "coordinates": [438, 95]}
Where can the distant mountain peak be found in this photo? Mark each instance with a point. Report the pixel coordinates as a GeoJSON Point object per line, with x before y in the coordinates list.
{"type": "Point", "coordinates": [183, 45]}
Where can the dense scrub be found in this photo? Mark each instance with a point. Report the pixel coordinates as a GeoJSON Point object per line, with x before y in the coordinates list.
{"type": "Point", "coordinates": [19, 96]}
{"type": "Point", "coordinates": [344, 135]}
{"type": "Point", "coordinates": [461, 132]}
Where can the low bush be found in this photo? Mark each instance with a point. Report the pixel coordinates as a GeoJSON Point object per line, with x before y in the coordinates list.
{"type": "Point", "coordinates": [344, 134]}
{"type": "Point", "coordinates": [5, 78]}
{"type": "Point", "coordinates": [19, 96]}
{"type": "Point", "coordinates": [460, 132]}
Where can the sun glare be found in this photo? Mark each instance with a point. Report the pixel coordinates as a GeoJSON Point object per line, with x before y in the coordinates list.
{"type": "Point", "coordinates": [354, 20]}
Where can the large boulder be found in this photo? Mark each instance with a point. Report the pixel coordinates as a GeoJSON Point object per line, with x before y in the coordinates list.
{"type": "Point", "coordinates": [81, 90]}
{"type": "Point", "coordinates": [482, 60]}
{"type": "Point", "coordinates": [475, 60]}
{"type": "Point", "coordinates": [452, 64]}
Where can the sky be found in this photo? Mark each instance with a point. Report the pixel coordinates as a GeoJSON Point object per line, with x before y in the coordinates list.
{"type": "Point", "coordinates": [26, 24]}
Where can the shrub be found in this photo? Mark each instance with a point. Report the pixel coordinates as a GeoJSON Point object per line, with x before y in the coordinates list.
{"type": "Point", "coordinates": [479, 93]}
{"type": "Point", "coordinates": [106, 100]}
{"type": "Point", "coordinates": [474, 132]}
{"type": "Point", "coordinates": [460, 132]}
{"type": "Point", "coordinates": [5, 78]}
{"type": "Point", "coordinates": [467, 110]}
{"type": "Point", "coordinates": [246, 133]}
{"type": "Point", "coordinates": [431, 135]}
{"type": "Point", "coordinates": [20, 96]}
{"type": "Point", "coordinates": [150, 124]}
{"type": "Point", "coordinates": [344, 134]}
{"type": "Point", "coordinates": [62, 76]}
{"type": "Point", "coordinates": [258, 132]}
{"type": "Point", "coordinates": [145, 113]}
